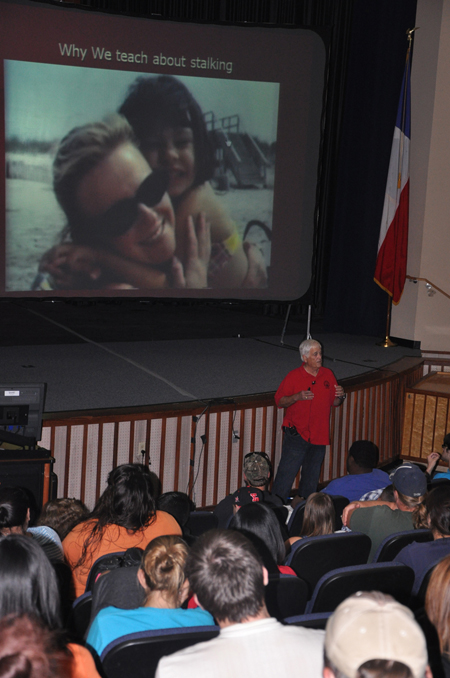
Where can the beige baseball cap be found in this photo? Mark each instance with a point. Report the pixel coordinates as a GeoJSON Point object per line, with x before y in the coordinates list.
{"type": "Point", "coordinates": [372, 625]}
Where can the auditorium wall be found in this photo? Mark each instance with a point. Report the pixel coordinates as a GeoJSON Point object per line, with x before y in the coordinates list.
{"type": "Point", "coordinates": [423, 315]}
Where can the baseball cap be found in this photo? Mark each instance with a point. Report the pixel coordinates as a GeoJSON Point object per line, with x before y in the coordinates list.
{"type": "Point", "coordinates": [409, 480]}
{"type": "Point", "coordinates": [247, 495]}
{"type": "Point", "coordinates": [256, 468]}
{"type": "Point", "coordinates": [372, 625]}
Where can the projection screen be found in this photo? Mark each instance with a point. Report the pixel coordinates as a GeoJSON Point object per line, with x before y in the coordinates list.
{"type": "Point", "coordinates": [259, 94]}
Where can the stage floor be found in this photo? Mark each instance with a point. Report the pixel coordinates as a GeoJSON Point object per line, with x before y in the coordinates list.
{"type": "Point", "coordinates": [95, 358]}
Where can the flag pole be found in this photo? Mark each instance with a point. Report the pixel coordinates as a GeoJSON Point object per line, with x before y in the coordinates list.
{"type": "Point", "coordinates": [388, 343]}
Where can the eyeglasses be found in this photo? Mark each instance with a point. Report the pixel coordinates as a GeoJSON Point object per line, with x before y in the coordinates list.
{"type": "Point", "coordinates": [121, 216]}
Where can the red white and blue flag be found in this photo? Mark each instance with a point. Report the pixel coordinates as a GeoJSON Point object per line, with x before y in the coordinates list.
{"type": "Point", "coordinates": [390, 269]}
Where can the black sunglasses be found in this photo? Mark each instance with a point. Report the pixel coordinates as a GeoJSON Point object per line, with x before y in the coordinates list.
{"type": "Point", "coordinates": [121, 216]}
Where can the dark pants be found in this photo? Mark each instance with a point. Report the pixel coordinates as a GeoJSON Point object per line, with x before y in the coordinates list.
{"type": "Point", "coordinates": [298, 452]}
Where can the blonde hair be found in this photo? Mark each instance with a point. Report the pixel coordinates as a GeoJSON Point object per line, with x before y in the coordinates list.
{"type": "Point", "coordinates": [82, 149]}
{"type": "Point", "coordinates": [418, 508]}
{"type": "Point", "coordinates": [163, 563]}
{"type": "Point", "coordinates": [437, 602]}
{"type": "Point", "coordinates": [319, 517]}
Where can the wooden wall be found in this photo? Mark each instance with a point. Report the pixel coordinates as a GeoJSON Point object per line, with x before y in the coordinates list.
{"type": "Point", "coordinates": [87, 445]}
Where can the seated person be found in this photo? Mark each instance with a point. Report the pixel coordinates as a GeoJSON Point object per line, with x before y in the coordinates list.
{"type": "Point", "coordinates": [437, 606]}
{"type": "Point", "coordinates": [257, 473]}
{"type": "Point", "coordinates": [363, 476]}
{"type": "Point", "coordinates": [58, 518]}
{"type": "Point", "coordinates": [319, 518]}
{"type": "Point", "coordinates": [124, 516]}
{"type": "Point", "coordinates": [422, 556]}
{"type": "Point", "coordinates": [379, 519]}
{"type": "Point", "coordinates": [445, 457]}
{"type": "Point", "coordinates": [257, 520]}
{"type": "Point", "coordinates": [162, 577]}
{"type": "Point", "coordinates": [371, 634]}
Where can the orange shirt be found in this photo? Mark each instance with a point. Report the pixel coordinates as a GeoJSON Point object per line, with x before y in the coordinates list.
{"type": "Point", "coordinates": [82, 665]}
{"type": "Point", "coordinates": [114, 538]}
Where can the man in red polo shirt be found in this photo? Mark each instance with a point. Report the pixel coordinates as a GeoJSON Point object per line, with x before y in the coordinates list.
{"type": "Point", "coordinates": [307, 393]}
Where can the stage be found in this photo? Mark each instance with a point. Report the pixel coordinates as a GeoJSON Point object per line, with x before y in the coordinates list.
{"type": "Point", "coordinates": [111, 355]}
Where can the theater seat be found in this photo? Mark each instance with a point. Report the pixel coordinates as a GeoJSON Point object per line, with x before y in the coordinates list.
{"type": "Point", "coordinates": [392, 545]}
{"type": "Point", "coordinates": [316, 620]}
{"type": "Point", "coordinates": [200, 522]}
{"type": "Point", "coordinates": [138, 654]}
{"type": "Point", "coordinates": [394, 579]}
{"type": "Point", "coordinates": [286, 596]}
{"type": "Point", "coordinates": [80, 616]}
{"type": "Point", "coordinates": [312, 557]}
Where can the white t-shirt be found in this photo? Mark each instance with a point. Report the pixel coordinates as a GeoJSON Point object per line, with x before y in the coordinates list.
{"type": "Point", "coordinates": [259, 649]}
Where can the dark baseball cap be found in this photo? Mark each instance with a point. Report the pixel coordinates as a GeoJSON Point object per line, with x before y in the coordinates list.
{"type": "Point", "coordinates": [409, 480]}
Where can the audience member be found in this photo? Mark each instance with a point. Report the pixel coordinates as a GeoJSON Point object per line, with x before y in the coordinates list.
{"type": "Point", "coordinates": [228, 578]}
{"type": "Point", "coordinates": [362, 460]}
{"type": "Point", "coordinates": [15, 511]}
{"type": "Point", "coordinates": [370, 635]}
{"type": "Point", "coordinates": [179, 505]}
{"type": "Point", "coordinates": [437, 606]}
{"type": "Point", "coordinates": [62, 515]}
{"type": "Point", "coordinates": [421, 556]}
{"type": "Point", "coordinates": [124, 516]}
{"type": "Point", "coordinates": [28, 585]}
{"type": "Point", "coordinates": [445, 456]}
{"type": "Point", "coordinates": [162, 577]}
{"type": "Point", "coordinates": [319, 518]}
{"type": "Point", "coordinates": [379, 519]}
{"type": "Point", "coordinates": [57, 519]}
{"type": "Point", "coordinates": [29, 650]}
{"type": "Point", "coordinates": [258, 520]}
{"type": "Point", "coordinates": [257, 474]}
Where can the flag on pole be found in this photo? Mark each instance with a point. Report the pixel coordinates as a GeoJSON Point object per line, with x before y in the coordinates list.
{"type": "Point", "coordinates": [390, 269]}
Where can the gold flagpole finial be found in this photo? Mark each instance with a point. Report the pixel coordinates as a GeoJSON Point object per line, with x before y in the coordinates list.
{"type": "Point", "coordinates": [410, 32]}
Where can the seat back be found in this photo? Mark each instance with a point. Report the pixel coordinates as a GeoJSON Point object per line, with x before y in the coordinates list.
{"type": "Point", "coordinates": [80, 616]}
{"type": "Point", "coordinates": [312, 557]}
{"type": "Point", "coordinates": [200, 522]}
{"type": "Point", "coordinates": [315, 620]}
{"type": "Point", "coordinates": [393, 544]}
{"type": "Point", "coordinates": [99, 566]}
{"type": "Point", "coordinates": [394, 579]}
{"type": "Point", "coordinates": [287, 596]}
{"type": "Point", "coordinates": [138, 654]}
{"type": "Point", "coordinates": [420, 598]}
{"type": "Point", "coordinates": [118, 588]}
{"type": "Point", "coordinates": [340, 503]}
{"type": "Point", "coordinates": [295, 522]}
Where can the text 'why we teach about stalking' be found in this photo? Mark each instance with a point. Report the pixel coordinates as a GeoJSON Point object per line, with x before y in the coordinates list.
{"type": "Point", "coordinates": [101, 53]}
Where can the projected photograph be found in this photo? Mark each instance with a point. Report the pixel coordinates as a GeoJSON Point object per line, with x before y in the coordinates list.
{"type": "Point", "coordinates": [119, 180]}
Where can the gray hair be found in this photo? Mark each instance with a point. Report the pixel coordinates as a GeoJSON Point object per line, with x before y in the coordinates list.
{"type": "Point", "coordinates": [306, 346]}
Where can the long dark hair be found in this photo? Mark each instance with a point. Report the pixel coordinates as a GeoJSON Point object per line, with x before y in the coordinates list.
{"type": "Point", "coordinates": [155, 103]}
{"type": "Point", "coordinates": [319, 517]}
{"type": "Point", "coordinates": [261, 521]}
{"type": "Point", "coordinates": [28, 583]}
{"type": "Point", "coordinates": [127, 502]}
{"type": "Point", "coordinates": [14, 505]}
{"type": "Point", "coordinates": [437, 505]}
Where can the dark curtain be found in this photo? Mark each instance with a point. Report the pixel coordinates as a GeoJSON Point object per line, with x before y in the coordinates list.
{"type": "Point", "coordinates": [378, 44]}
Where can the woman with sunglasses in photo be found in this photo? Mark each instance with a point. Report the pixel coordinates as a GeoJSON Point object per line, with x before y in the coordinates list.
{"type": "Point", "coordinates": [121, 223]}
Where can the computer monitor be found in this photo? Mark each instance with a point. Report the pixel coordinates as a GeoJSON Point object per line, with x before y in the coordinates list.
{"type": "Point", "coordinates": [21, 408]}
